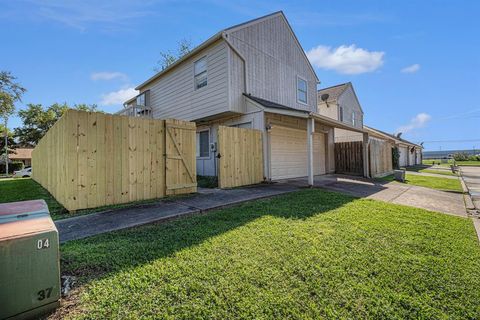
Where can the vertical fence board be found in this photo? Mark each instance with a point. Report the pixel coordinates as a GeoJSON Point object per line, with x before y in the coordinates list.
{"type": "Point", "coordinates": [241, 161]}
{"type": "Point", "coordinates": [89, 160]}
{"type": "Point", "coordinates": [349, 157]}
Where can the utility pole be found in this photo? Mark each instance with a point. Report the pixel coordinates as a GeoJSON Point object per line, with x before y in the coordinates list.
{"type": "Point", "coordinates": [6, 147]}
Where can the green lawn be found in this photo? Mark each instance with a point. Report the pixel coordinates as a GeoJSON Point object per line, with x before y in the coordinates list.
{"type": "Point", "coordinates": [21, 189]}
{"type": "Point", "coordinates": [450, 162]}
{"type": "Point", "coordinates": [427, 169]}
{"type": "Point", "coordinates": [444, 184]}
{"type": "Point", "coordinates": [310, 254]}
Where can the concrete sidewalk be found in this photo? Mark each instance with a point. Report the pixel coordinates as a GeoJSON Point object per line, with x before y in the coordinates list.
{"type": "Point", "coordinates": [207, 199]}
{"type": "Point", "coordinates": [471, 177]}
{"type": "Point", "coordinates": [428, 174]}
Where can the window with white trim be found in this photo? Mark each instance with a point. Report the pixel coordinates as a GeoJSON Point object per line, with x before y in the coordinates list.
{"type": "Point", "coordinates": [203, 144]}
{"type": "Point", "coordinates": [141, 100]}
{"type": "Point", "coordinates": [301, 90]}
{"type": "Point", "coordinates": [340, 114]}
{"type": "Point", "coordinates": [200, 73]}
{"type": "Point", "coordinates": [353, 118]}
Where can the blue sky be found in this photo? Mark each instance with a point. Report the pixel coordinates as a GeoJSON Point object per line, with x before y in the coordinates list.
{"type": "Point", "coordinates": [414, 64]}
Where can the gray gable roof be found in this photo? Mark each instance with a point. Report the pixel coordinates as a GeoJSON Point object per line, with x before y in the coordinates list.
{"type": "Point", "coordinates": [271, 104]}
{"type": "Point", "coordinates": [333, 92]}
{"type": "Point", "coordinates": [219, 36]}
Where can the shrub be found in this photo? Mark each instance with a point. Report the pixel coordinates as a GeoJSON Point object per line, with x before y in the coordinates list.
{"type": "Point", "coordinates": [474, 158]}
{"type": "Point", "coordinates": [395, 158]}
{"type": "Point", "coordinates": [461, 156]}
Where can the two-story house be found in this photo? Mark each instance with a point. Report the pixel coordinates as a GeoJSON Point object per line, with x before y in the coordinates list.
{"type": "Point", "coordinates": [340, 102]}
{"type": "Point", "coordinates": [252, 75]}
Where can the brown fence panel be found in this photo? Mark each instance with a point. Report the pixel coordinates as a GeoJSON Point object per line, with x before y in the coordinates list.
{"type": "Point", "coordinates": [241, 157]}
{"type": "Point", "coordinates": [380, 155]}
{"type": "Point", "coordinates": [349, 157]}
{"type": "Point", "coordinates": [89, 160]}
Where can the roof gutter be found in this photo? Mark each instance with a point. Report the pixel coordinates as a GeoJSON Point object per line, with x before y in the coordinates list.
{"type": "Point", "coordinates": [334, 123]}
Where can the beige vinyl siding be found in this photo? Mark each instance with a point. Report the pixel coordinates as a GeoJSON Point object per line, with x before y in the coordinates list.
{"type": "Point", "coordinates": [237, 82]}
{"type": "Point", "coordinates": [349, 103]}
{"type": "Point", "coordinates": [330, 111]}
{"type": "Point", "coordinates": [173, 95]}
{"type": "Point", "coordinates": [342, 135]}
{"type": "Point", "coordinates": [274, 60]}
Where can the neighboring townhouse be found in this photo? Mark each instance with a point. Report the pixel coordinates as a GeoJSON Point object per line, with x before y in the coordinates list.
{"type": "Point", "coordinates": [340, 102]}
{"type": "Point", "coordinates": [253, 75]}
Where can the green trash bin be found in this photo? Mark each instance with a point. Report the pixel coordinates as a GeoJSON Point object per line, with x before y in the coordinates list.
{"type": "Point", "coordinates": [29, 260]}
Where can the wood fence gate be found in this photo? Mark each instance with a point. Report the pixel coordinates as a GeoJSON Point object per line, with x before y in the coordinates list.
{"type": "Point", "coordinates": [349, 158]}
{"type": "Point", "coordinates": [240, 157]}
{"type": "Point", "coordinates": [90, 159]}
{"type": "Point", "coordinates": [180, 167]}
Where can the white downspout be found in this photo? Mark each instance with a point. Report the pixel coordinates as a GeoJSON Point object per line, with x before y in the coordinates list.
{"type": "Point", "coordinates": [225, 38]}
{"type": "Point", "coordinates": [310, 131]}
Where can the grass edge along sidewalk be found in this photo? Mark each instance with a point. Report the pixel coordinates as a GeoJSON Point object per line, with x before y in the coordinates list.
{"type": "Point", "coordinates": [310, 253]}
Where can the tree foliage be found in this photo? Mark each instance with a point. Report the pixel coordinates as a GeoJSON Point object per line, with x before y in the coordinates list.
{"type": "Point", "coordinates": [168, 58]}
{"type": "Point", "coordinates": [10, 92]}
{"type": "Point", "coordinates": [395, 158]}
{"type": "Point", "coordinates": [11, 141]}
{"type": "Point", "coordinates": [37, 120]}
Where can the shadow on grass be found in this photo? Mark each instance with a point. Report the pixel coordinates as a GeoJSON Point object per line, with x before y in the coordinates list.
{"type": "Point", "coordinates": [22, 189]}
{"type": "Point", "coordinates": [101, 255]}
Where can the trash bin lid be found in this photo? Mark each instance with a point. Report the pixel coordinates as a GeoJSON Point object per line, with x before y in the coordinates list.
{"type": "Point", "coordinates": [22, 210]}
{"type": "Point", "coordinates": [24, 217]}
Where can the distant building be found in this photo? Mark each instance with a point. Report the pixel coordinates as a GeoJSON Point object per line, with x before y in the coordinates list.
{"type": "Point", "coordinates": [22, 154]}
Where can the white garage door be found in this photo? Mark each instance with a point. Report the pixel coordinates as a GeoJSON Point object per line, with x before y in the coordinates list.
{"type": "Point", "coordinates": [289, 153]}
{"type": "Point", "coordinates": [403, 156]}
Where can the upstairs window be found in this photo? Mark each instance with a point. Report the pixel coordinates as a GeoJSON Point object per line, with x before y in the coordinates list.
{"type": "Point", "coordinates": [141, 101]}
{"type": "Point", "coordinates": [200, 73]}
{"type": "Point", "coordinates": [340, 114]}
{"type": "Point", "coordinates": [353, 119]}
{"type": "Point", "coordinates": [301, 90]}
{"type": "Point", "coordinates": [203, 144]}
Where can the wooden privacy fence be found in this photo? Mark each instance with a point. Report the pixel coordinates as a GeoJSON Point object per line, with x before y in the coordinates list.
{"type": "Point", "coordinates": [349, 157]}
{"type": "Point", "coordinates": [380, 155]}
{"type": "Point", "coordinates": [90, 159]}
{"type": "Point", "coordinates": [241, 157]}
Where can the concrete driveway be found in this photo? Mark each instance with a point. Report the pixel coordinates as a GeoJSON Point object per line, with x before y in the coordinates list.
{"type": "Point", "coordinates": [471, 177]}
{"type": "Point", "coordinates": [393, 192]}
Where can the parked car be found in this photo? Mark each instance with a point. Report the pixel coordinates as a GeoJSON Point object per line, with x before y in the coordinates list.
{"type": "Point", "coordinates": [24, 173]}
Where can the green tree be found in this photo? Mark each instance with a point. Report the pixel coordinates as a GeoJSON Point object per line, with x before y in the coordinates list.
{"type": "Point", "coordinates": [10, 92]}
{"type": "Point", "coordinates": [168, 58]}
{"type": "Point", "coordinates": [37, 120]}
{"type": "Point", "coordinates": [11, 141]}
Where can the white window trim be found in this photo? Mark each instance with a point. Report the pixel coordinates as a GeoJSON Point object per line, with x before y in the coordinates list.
{"type": "Point", "coordinates": [306, 93]}
{"type": "Point", "coordinates": [209, 153]}
{"type": "Point", "coordinates": [353, 118]}
{"type": "Point", "coordinates": [194, 75]}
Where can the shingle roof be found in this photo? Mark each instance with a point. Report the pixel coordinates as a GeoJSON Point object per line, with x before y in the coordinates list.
{"type": "Point", "coordinates": [333, 92]}
{"type": "Point", "coordinates": [271, 104]}
{"type": "Point", "coordinates": [392, 136]}
{"type": "Point", "coordinates": [20, 153]}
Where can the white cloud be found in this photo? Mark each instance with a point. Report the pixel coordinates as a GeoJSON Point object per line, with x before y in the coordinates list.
{"type": "Point", "coordinates": [106, 76]}
{"type": "Point", "coordinates": [117, 97]}
{"type": "Point", "coordinates": [419, 121]}
{"type": "Point", "coordinates": [411, 69]}
{"type": "Point", "coordinates": [346, 59]}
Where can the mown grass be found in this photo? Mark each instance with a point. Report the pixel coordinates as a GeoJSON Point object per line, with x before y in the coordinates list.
{"type": "Point", "coordinates": [310, 254]}
{"type": "Point", "coordinates": [444, 184]}
{"type": "Point", "coordinates": [428, 169]}
{"type": "Point", "coordinates": [22, 189]}
{"type": "Point", "coordinates": [450, 162]}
